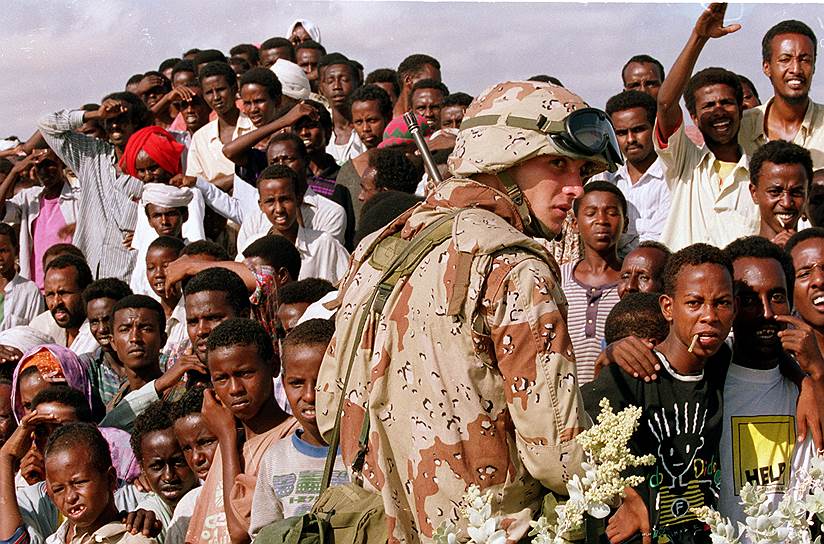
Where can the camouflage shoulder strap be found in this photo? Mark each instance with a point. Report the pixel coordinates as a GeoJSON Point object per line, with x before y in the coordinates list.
{"type": "Point", "coordinates": [397, 258]}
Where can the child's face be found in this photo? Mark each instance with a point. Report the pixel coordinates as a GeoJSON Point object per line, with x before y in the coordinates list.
{"type": "Point", "coordinates": [157, 259]}
{"type": "Point", "coordinates": [300, 375]}
{"type": "Point", "coordinates": [165, 466]}
{"type": "Point", "coordinates": [600, 220]}
{"type": "Point", "coordinates": [197, 442]}
{"type": "Point", "coordinates": [702, 304]}
{"type": "Point", "coordinates": [79, 490]}
{"type": "Point", "coordinates": [279, 203]}
{"type": "Point", "coordinates": [7, 255]}
{"type": "Point", "coordinates": [242, 381]}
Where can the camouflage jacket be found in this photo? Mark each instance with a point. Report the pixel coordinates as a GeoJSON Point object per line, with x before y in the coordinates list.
{"type": "Point", "coordinates": [468, 373]}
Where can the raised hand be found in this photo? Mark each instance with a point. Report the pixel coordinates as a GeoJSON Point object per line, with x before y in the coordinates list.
{"type": "Point", "coordinates": [711, 22]}
{"type": "Point", "coordinates": [110, 108]}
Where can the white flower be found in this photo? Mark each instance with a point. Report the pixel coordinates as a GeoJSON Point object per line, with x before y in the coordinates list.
{"type": "Point", "coordinates": [487, 533]}
{"type": "Point", "coordinates": [815, 501]}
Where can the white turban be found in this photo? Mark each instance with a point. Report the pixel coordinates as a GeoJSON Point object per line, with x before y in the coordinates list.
{"type": "Point", "coordinates": [310, 28]}
{"type": "Point", "coordinates": [165, 196]}
{"type": "Point", "coordinates": [292, 78]}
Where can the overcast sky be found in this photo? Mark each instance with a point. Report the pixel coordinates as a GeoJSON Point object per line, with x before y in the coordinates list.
{"type": "Point", "coordinates": [58, 54]}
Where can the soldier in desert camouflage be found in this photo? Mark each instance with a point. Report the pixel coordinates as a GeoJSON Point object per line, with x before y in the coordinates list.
{"type": "Point", "coordinates": [467, 370]}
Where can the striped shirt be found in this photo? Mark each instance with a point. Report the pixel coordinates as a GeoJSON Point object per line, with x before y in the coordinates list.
{"type": "Point", "coordinates": [588, 310]}
{"type": "Point", "coordinates": [107, 206]}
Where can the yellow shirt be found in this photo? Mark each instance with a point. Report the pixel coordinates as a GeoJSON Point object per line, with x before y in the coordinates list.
{"type": "Point", "coordinates": [706, 207]}
{"type": "Point", "coordinates": [810, 135]}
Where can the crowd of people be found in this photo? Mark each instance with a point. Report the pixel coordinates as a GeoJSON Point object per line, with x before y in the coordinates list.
{"type": "Point", "coordinates": [238, 280]}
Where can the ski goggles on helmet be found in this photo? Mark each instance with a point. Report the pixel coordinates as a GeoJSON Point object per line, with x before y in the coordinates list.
{"type": "Point", "coordinates": [586, 132]}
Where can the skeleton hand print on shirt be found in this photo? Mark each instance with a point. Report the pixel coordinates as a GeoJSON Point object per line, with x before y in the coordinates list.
{"type": "Point", "coordinates": [679, 438]}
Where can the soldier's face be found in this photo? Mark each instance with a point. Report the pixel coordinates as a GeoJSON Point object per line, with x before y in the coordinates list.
{"type": "Point", "coordinates": [550, 184]}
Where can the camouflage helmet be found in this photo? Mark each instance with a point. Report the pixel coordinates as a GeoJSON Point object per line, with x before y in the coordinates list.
{"type": "Point", "coordinates": [510, 123]}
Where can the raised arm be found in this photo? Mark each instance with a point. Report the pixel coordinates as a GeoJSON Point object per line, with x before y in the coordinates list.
{"type": "Point", "coordinates": [709, 25]}
{"type": "Point", "coordinates": [186, 267]}
{"type": "Point", "coordinates": [236, 150]}
{"type": "Point", "coordinates": [59, 131]}
{"type": "Point", "coordinates": [10, 455]}
{"type": "Point", "coordinates": [7, 187]}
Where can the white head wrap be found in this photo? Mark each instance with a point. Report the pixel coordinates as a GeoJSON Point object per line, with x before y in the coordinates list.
{"type": "Point", "coordinates": [292, 78]}
{"type": "Point", "coordinates": [310, 28]}
{"type": "Point", "coordinates": [165, 196]}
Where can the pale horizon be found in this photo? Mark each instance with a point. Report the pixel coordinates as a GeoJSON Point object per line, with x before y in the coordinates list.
{"type": "Point", "coordinates": [65, 54]}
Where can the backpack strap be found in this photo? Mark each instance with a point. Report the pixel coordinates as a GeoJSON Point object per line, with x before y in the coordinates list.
{"type": "Point", "coordinates": [397, 258]}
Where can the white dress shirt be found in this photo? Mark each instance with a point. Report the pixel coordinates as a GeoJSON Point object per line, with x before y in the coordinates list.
{"type": "Point", "coordinates": [321, 256]}
{"type": "Point", "coordinates": [704, 208]}
{"type": "Point", "coordinates": [648, 203]}
{"type": "Point", "coordinates": [22, 302]}
{"type": "Point", "coordinates": [84, 342]}
{"type": "Point", "coordinates": [348, 150]}
{"type": "Point", "coordinates": [206, 158]}
{"type": "Point", "coordinates": [318, 213]}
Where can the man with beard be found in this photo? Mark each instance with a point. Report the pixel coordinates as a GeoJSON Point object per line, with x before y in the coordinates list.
{"type": "Point", "coordinates": [758, 439]}
{"type": "Point", "coordinates": [641, 178]}
{"type": "Point", "coordinates": [780, 174]}
{"type": "Point", "coordinates": [788, 52]}
{"type": "Point", "coordinates": [107, 203]}
{"type": "Point", "coordinates": [708, 184]}
{"type": "Point", "coordinates": [65, 279]}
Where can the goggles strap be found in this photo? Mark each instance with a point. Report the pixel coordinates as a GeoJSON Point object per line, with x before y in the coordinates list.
{"type": "Point", "coordinates": [532, 225]}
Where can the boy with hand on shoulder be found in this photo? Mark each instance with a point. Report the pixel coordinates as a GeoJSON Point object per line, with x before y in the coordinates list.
{"type": "Point", "coordinates": [290, 472]}
{"type": "Point", "coordinates": [681, 410]}
{"type": "Point", "coordinates": [242, 363]}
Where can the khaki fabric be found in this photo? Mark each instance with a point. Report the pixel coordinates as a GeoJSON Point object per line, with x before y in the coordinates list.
{"type": "Point", "coordinates": [468, 375]}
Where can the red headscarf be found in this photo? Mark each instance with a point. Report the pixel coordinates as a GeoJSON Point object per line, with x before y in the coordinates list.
{"type": "Point", "coordinates": [158, 144]}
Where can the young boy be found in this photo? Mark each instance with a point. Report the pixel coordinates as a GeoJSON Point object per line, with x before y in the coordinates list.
{"type": "Point", "coordinates": [681, 420]}
{"type": "Point", "coordinates": [280, 198]}
{"type": "Point", "coordinates": [591, 284]}
{"type": "Point", "coordinates": [163, 463]}
{"type": "Point", "coordinates": [169, 211]}
{"type": "Point", "coordinates": [780, 177]}
{"type": "Point", "coordinates": [22, 300]}
{"type": "Point", "coordinates": [160, 253]}
{"type": "Point", "coordinates": [199, 445]}
{"type": "Point", "coordinates": [80, 482]}
{"type": "Point", "coordinates": [243, 364]}
{"type": "Point", "coordinates": [290, 472]}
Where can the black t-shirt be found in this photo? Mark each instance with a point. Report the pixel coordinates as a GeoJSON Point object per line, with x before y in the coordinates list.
{"type": "Point", "coordinates": [681, 425]}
